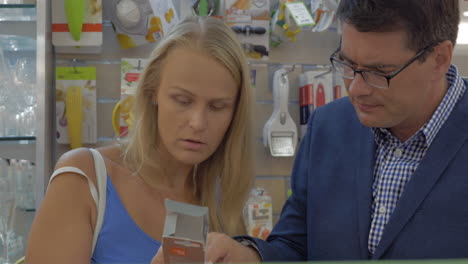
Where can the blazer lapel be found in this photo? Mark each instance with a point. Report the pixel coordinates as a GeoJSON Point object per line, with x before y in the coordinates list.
{"type": "Point", "coordinates": [450, 138]}
{"type": "Point", "coordinates": [363, 180]}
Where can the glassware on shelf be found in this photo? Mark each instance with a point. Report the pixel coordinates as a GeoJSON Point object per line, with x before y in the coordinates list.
{"type": "Point", "coordinates": [14, 14]}
{"type": "Point", "coordinates": [17, 86]}
{"type": "Point", "coordinates": [18, 14]}
{"type": "Point", "coordinates": [5, 89]}
{"type": "Point", "coordinates": [7, 208]}
{"type": "Point", "coordinates": [23, 171]}
{"type": "Point", "coordinates": [24, 78]}
{"type": "Point", "coordinates": [25, 71]}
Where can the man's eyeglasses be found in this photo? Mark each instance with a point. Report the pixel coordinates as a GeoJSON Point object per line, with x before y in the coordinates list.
{"type": "Point", "coordinates": [374, 79]}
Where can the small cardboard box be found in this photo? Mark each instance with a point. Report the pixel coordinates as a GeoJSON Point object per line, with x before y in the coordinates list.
{"type": "Point", "coordinates": [185, 232]}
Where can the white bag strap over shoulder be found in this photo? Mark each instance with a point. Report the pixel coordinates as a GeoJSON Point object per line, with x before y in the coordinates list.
{"type": "Point", "coordinates": [99, 194]}
{"type": "Point", "coordinates": [92, 188]}
{"type": "Point", "coordinates": [101, 178]}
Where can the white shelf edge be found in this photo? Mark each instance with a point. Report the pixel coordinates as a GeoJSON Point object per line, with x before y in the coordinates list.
{"type": "Point", "coordinates": [21, 28]}
{"type": "Point", "coordinates": [14, 150]}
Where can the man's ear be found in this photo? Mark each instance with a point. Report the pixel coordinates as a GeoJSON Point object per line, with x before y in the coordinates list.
{"type": "Point", "coordinates": [442, 59]}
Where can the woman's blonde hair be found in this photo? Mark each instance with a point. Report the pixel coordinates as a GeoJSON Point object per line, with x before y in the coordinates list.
{"type": "Point", "coordinates": [222, 182]}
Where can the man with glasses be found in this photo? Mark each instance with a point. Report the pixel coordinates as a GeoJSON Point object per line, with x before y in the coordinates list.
{"type": "Point", "coordinates": [382, 174]}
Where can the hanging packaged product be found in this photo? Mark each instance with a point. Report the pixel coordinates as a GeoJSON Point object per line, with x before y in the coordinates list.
{"type": "Point", "coordinates": [185, 233]}
{"type": "Point", "coordinates": [165, 11]}
{"type": "Point", "coordinates": [339, 88]}
{"type": "Point", "coordinates": [76, 105]}
{"type": "Point", "coordinates": [139, 22]}
{"type": "Point", "coordinates": [322, 81]}
{"type": "Point", "coordinates": [77, 26]}
{"type": "Point", "coordinates": [250, 20]}
{"type": "Point", "coordinates": [253, 77]}
{"type": "Point", "coordinates": [299, 12]}
{"type": "Point", "coordinates": [258, 214]}
{"type": "Point", "coordinates": [288, 21]}
{"type": "Point", "coordinates": [280, 134]}
{"type": "Point", "coordinates": [214, 8]}
{"type": "Point", "coordinates": [306, 102]}
{"type": "Point", "coordinates": [324, 12]}
{"type": "Point", "coordinates": [122, 117]}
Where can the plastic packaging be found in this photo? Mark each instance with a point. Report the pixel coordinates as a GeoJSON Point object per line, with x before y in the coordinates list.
{"type": "Point", "coordinates": [258, 214]}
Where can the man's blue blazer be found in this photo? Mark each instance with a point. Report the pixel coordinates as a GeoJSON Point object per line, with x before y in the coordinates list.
{"type": "Point", "coordinates": [328, 215]}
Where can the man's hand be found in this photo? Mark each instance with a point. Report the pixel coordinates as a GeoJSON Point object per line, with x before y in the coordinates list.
{"type": "Point", "coordinates": [220, 248]}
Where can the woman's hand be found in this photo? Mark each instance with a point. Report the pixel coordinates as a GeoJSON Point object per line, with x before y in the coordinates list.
{"type": "Point", "coordinates": [159, 257]}
{"type": "Point", "coordinates": [220, 248]}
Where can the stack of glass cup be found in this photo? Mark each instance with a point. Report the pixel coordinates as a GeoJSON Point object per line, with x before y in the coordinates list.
{"type": "Point", "coordinates": [17, 83]}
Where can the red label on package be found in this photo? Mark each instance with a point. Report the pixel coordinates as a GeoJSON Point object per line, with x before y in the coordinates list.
{"type": "Point", "coordinates": [132, 77]}
{"type": "Point", "coordinates": [177, 251]}
{"type": "Point", "coordinates": [306, 95]}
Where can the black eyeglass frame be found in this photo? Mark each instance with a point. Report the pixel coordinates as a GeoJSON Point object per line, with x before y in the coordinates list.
{"type": "Point", "coordinates": [333, 59]}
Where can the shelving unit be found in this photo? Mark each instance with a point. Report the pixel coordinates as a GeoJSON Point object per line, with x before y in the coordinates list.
{"type": "Point", "coordinates": [45, 128]}
{"type": "Point", "coordinates": [18, 20]}
{"type": "Point", "coordinates": [32, 19]}
{"type": "Point", "coordinates": [18, 148]}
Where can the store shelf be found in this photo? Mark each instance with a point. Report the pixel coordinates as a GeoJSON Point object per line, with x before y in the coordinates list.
{"type": "Point", "coordinates": [17, 3]}
{"type": "Point", "coordinates": [18, 148]}
{"type": "Point", "coordinates": [18, 140]}
{"type": "Point", "coordinates": [18, 28]}
{"type": "Point", "coordinates": [17, 6]}
{"type": "Point", "coordinates": [17, 15]}
{"type": "Point", "coordinates": [20, 22]}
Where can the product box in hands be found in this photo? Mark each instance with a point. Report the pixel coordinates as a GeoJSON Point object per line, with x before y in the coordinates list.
{"type": "Point", "coordinates": [185, 232]}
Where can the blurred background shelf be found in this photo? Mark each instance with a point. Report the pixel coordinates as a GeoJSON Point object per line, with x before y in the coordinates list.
{"type": "Point", "coordinates": [17, 3]}
{"type": "Point", "coordinates": [18, 140]}
{"type": "Point", "coordinates": [18, 148]}
{"type": "Point", "coordinates": [18, 20]}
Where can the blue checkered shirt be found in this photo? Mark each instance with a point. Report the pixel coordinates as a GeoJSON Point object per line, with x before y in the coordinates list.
{"type": "Point", "coordinates": [396, 161]}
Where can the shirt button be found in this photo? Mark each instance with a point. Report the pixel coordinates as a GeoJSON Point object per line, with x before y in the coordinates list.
{"type": "Point", "coordinates": [398, 152]}
{"type": "Point", "coordinates": [382, 210]}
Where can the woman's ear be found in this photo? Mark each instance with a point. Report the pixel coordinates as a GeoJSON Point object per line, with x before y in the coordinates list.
{"type": "Point", "coordinates": [443, 58]}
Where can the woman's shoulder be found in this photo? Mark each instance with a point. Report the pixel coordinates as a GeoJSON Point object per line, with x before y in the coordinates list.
{"type": "Point", "coordinates": [82, 158]}
{"type": "Point", "coordinates": [79, 158]}
{"type": "Point", "coordinates": [113, 153]}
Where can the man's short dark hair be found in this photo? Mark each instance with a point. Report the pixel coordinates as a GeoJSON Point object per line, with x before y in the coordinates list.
{"type": "Point", "coordinates": [425, 21]}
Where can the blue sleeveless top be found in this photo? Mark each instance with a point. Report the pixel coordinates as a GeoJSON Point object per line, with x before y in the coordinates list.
{"type": "Point", "coordinates": [120, 239]}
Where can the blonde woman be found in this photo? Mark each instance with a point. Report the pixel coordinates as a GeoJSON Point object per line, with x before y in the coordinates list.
{"type": "Point", "coordinates": [190, 143]}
